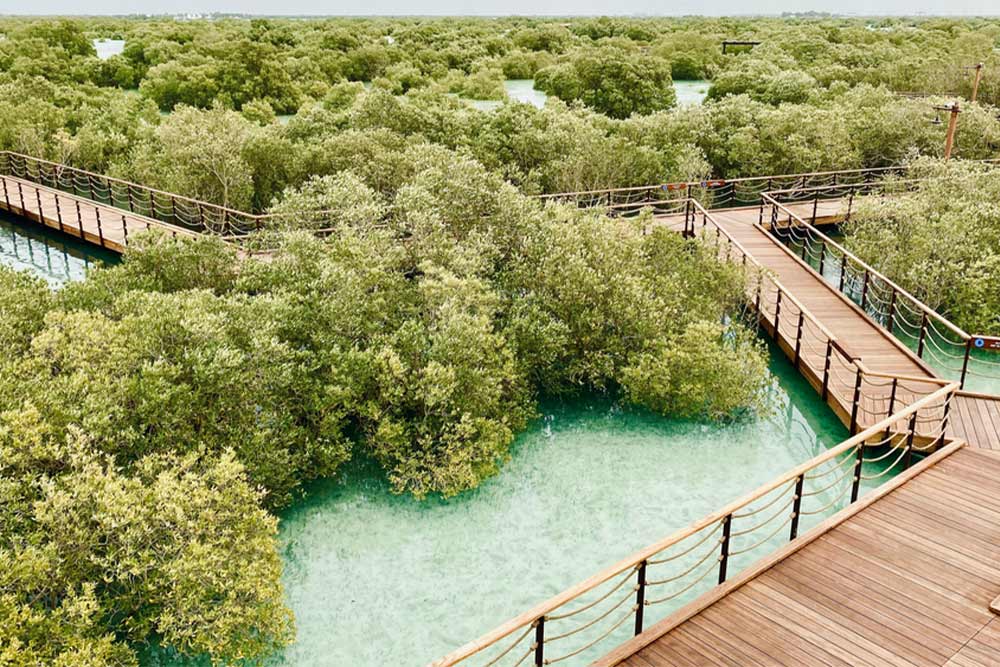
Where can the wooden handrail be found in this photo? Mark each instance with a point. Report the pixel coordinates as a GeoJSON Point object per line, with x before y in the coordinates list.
{"type": "Point", "coordinates": [529, 617]}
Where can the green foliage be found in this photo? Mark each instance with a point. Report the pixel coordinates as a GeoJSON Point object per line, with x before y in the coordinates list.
{"type": "Point", "coordinates": [941, 242]}
{"type": "Point", "coordinates": [611, 81]}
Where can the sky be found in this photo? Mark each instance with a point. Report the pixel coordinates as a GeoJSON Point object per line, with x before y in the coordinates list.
{"type": "Point", "coordinates": [503, 7]}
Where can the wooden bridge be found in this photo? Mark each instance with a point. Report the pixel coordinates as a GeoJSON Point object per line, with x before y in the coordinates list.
{"type": "Point", "coordinates": [832, 566]}
{"type": "Point", "coordinates": [907, 574]}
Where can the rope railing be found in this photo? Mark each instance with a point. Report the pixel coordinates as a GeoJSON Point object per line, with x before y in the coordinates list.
{"type": "Point", "coordinates": [668, 198]}
{"type": "Point", "coordinates": [932, 337]}
{"type": "Point", "coordinates": [605, 610]}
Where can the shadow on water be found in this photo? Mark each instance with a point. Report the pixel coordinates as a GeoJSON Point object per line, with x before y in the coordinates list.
{"type": "Point", "coordinates": [56, 257]}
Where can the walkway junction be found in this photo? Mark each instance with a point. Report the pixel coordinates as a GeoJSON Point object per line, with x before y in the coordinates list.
{"type": "Point", "coordinates": [884, 550]}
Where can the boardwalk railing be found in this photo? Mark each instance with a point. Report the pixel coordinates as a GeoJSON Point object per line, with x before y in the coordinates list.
{"type": "Point", "coordinates": [935, 339]}
{"type": "Point", "coordinates": [669, 198]}
{"type": "Point", "coordinates": [856, 393]}
{"type": "Point", "coordinates": [585, 621]}
{"type": "Point", "coordinates": [174, 209]}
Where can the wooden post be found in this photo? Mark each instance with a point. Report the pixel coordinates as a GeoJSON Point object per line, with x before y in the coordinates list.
{"type": "Point", "coordinates": [20, 193]}
{"type": "Point", "coordinates": [976, 80]}
{"type": "Point", "coordinates": [864, 290]}
{"type": "Point", "coordinates": [822, 257]}
{"type": "Point", "coordinates": [6, 195]}
{"type": "Point", "coordinates": [923, 334]}
{"type": "Point", "coordinates": [727, 525]}
{"type": "Point", "coordinates": [796, 507]}
{"type": "Point", "coordinates": [640, 597]}
{"type": "Point", "coordinates": [892, 403]}
{"type": "Point", "coordinates": [79, 220]}
{"type": "Point", "coordinates": [815, 206]}
{"type": "Point", "coordinates": [38, 202]}
{"type": "Point", "coordinates": [843, 271]}
{"type": "Point", "coordinates": [100, 231]}
{"type": "Point", "coordinates": [540, 642]}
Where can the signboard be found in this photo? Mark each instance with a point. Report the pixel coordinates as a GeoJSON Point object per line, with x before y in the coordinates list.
{"type": "Point", "coordinates": [986, 343]}
{"type": "Point", "coordinates": [669, 187]}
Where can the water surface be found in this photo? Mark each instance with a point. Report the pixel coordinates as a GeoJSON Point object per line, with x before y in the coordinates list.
{"type": "Point", "coordinates": [108, 47]}
{"type": "Point", "coordinates": [56, 257]}
{"type": "Point", "coordinates": [691, 92]}
{"type": "Point", "coordinates": [376, 579]}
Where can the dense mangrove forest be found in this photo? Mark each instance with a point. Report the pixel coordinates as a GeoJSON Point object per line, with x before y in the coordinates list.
{"type": "Point", "coordinates": [420, 307]}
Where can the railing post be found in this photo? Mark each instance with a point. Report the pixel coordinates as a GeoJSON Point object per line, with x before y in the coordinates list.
{"type": "Point", "coordinates": [640, 597]}
{"type": "Point", "coordinates": [864, 290]}
{"type": "Point", "coordinates": [850, 206]}
{"type": "Point", "coordinates": [687, 218]}
{"type": "Point", "coordinates": [20, 194]}
{"type": "Point", "coordinates": [100, 231]}
{"type": "Point", "coordinates": [777, 315]}
{"type": "Point", "coordinates": [892, 403]}
{"type": "Point", "coordinates": [923, 334]}
{"type": "Point", "coordinates": [128, 192]}
{"type": "Point", "coordinates": [6, 195]}
{"type": "Point", "coordinates": [727, 526]}
{"type": "Point", "coordinates": [58, 212]}
{"type": "Point", "coordinates": [79, 220]}
{"type": "Point", "coordinates": [798, 338]}
{"type": "Point", "coordinates": [124, 230]}
{"type": "Point", "coordinates": [540, 642]}
{"type": "Point", "coordinates": [855, 403]}
{"type": "Point", "coordinates": [965, 362]}
{"type": "Point", "coordinates": [908, 456]}
{"type": "Point", "coordinates": [822, 257]}
{"type": "Point", "coordinates": [891, 320]}
{"type": "Point", "coordinates": [796, 507]}
{"type": "Point", "coordinates": [856, 483]}
{"type": "Point", "coordinates": [90, 184]}
{"type": "Point", "coordinates": [38, 202]}
{"type": "Point", "coordinates": [826, 368]}
{"type": "Point", "coordinates": [843, 271]}
{"type": "Point", "coordinates": [815, 206]}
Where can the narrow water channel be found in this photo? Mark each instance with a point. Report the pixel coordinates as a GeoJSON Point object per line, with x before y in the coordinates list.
{"type": "Point", "coordinates": [56, 257]}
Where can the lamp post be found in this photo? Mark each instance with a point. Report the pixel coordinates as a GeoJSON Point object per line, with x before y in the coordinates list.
{"type": "Point", "coordinates": [976, 79]}
{"type": "Point", "coordinates": [949, 140]}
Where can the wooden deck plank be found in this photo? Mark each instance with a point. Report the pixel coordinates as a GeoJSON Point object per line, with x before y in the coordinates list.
{"type": "Point", "coordinates": [893, 584]}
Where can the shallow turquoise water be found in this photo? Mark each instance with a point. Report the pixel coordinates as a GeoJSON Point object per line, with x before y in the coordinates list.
{"type": "Point", "coordinates": [56, 257]}
{"type": "Point", "coordinates": [691, 93]}
{"type": "Point", "coordinates": [377, 579]}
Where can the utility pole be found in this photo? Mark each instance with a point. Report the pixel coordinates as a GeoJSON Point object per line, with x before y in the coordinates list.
{"type": "Point", "coordinates": [949, 140]}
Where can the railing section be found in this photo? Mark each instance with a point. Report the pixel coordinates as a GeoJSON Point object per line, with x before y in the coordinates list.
{"type": "Point", "coordinates": [587, 620]}
{"type": "Point", "coordinates": [949, 350]}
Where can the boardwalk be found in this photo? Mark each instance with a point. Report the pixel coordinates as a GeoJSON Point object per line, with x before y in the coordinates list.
{"type": "Point", "coordinates": [973, 418]}
{"type": "Point", "coordinates": [100, 224]}
{"type": "Point", "coordinates": [906, 580]}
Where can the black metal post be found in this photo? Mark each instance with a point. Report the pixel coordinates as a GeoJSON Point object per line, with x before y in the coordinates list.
{"type": "Point", "coordinates": [796, 507]}
{"type": "Point", "coordinates": [908, 456]}
{"type": "Point", "coordinates": [826, 368]}
{"type": "Point", "coordinates": [540, 642]}
{"type": "Point", "coordinates": [923, 334]}
{"type": "Point", "coordinates": [965, 361]}
{"type": "Point", "coordinates": [640, 597]}
{"type": "Point", "coordinates": [864, 290]}
{"type": "Point", "coordinates": [890, 322]}
{"type": "Point", "coordinates": [843, 271]}
{"type": "Point", "coordinates": [856, 403]}
{"type": "Point", "coordinates": [798, 338]}
{"type": "Point", "coordinates": [777, 314]}
{"type": "Point", "coordinates": [727, 524]}
{"type": "Point", "coordinates": [856, 484]}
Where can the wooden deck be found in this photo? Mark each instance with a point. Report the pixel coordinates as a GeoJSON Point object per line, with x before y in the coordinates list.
{"type": "Point", "coordinates": [973, 418]}
{"type": "Point", "coordinates": [93, 222]}
{"type": "Point", "coordinates": [905, 579]}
